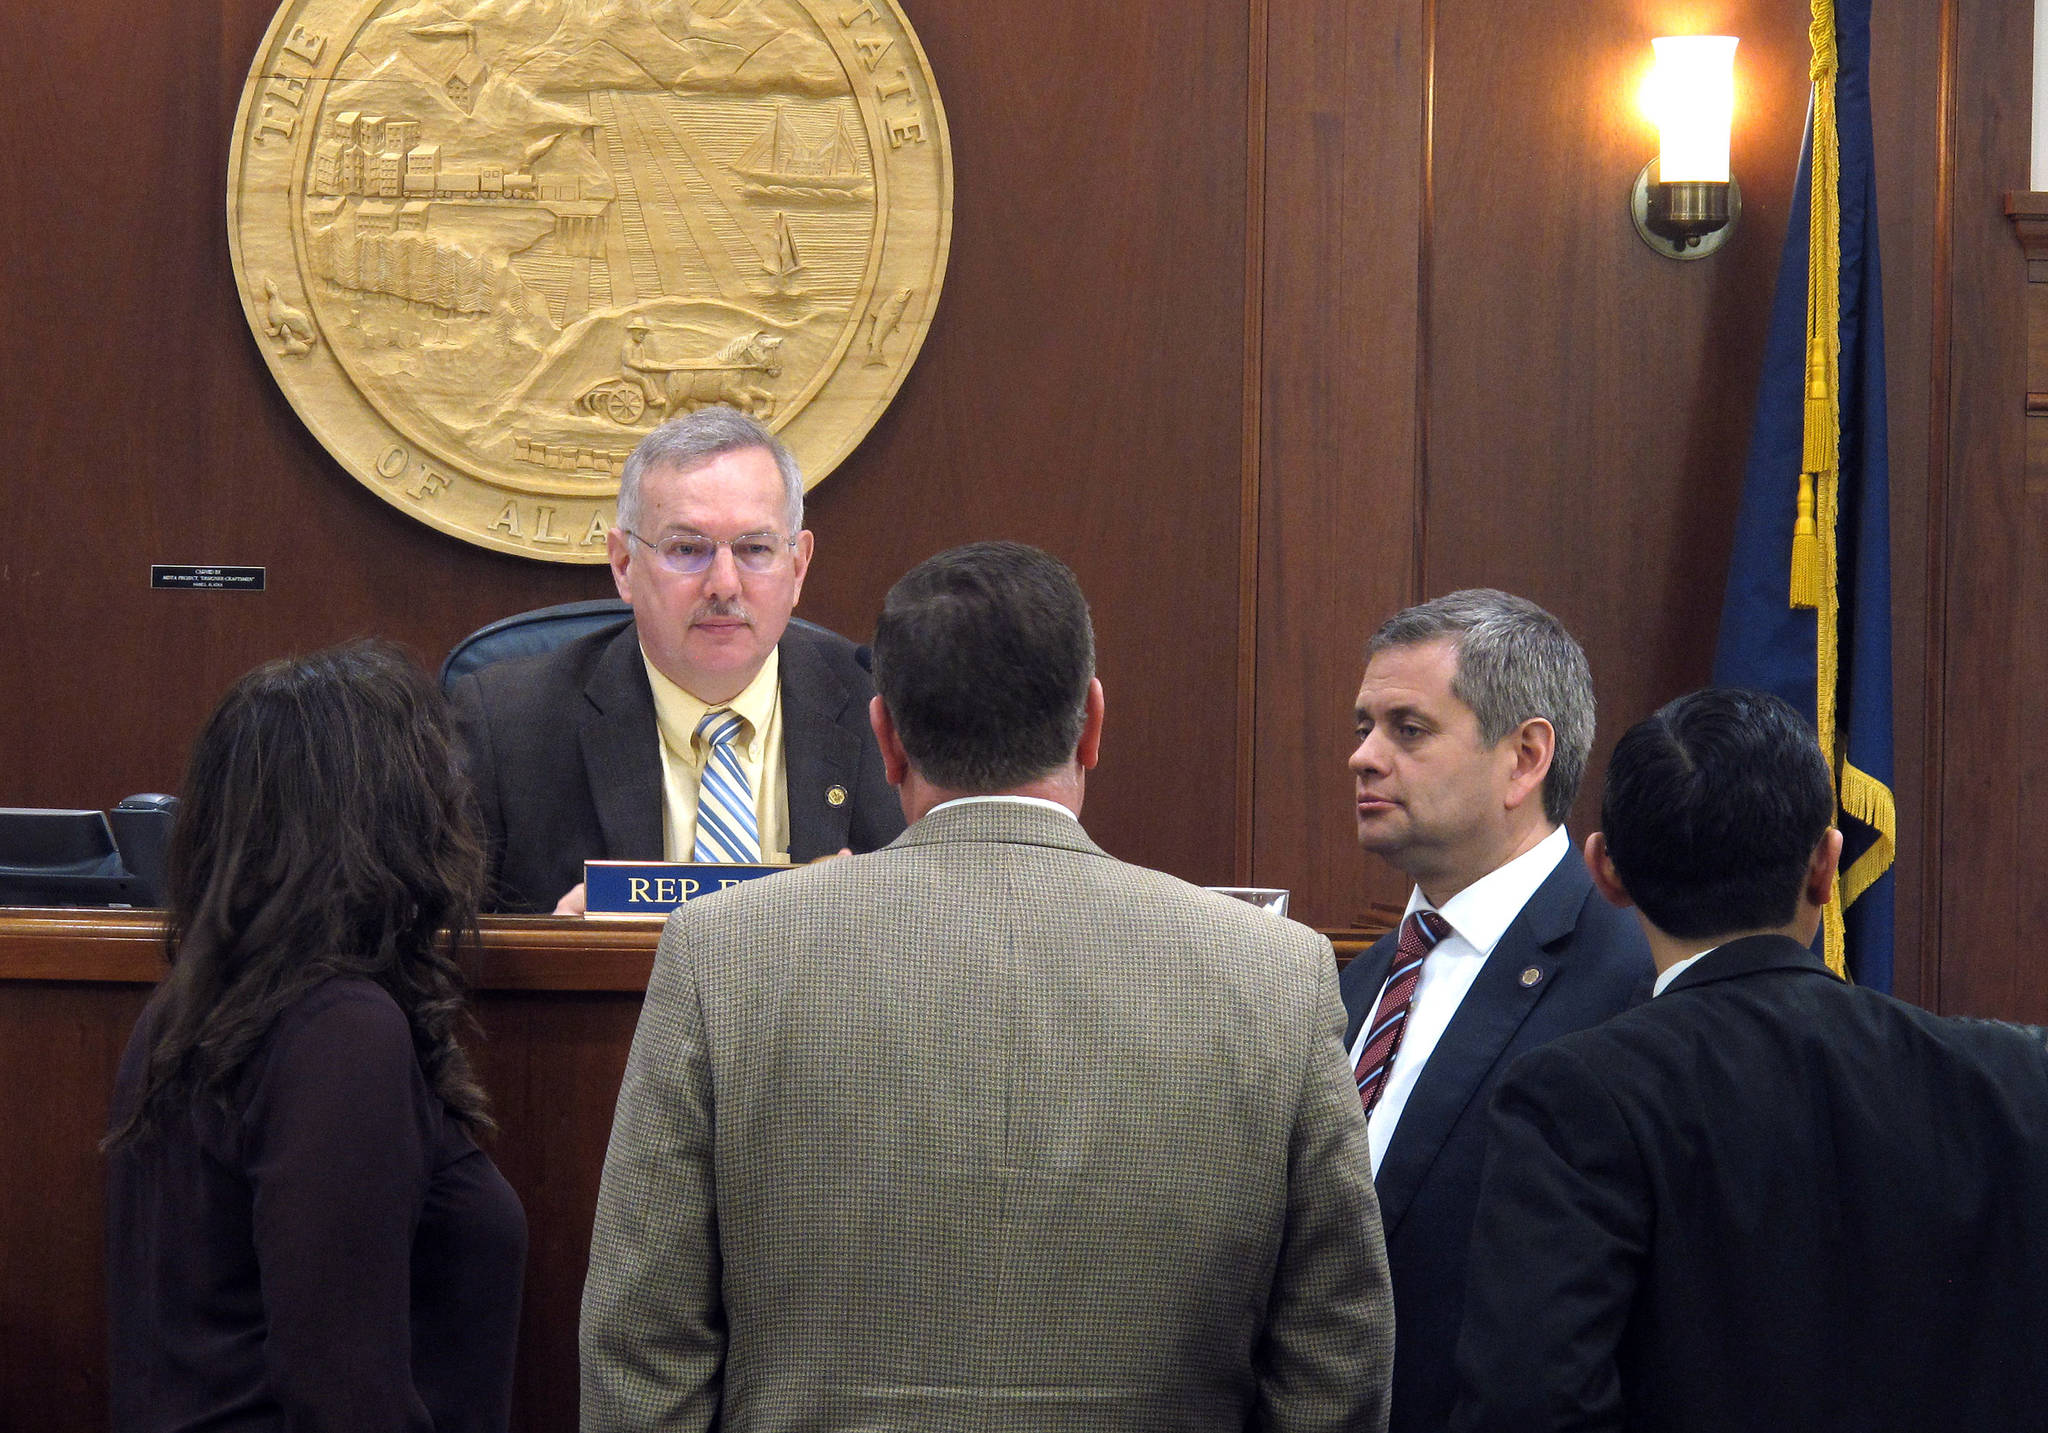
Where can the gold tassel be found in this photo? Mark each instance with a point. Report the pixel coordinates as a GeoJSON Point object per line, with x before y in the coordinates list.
{"type": "Point", "coordinates": [1823, 310]}
{"type": "Point", "coordinates": [1806, 583]}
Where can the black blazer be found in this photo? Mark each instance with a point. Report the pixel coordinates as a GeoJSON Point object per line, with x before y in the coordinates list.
{"type": "Point", "coordinates": [1765, 1200]}
{"type": "Point", "coordinates": [565, 756]}
{"type": "Point", "coordinates": [1590, 961]}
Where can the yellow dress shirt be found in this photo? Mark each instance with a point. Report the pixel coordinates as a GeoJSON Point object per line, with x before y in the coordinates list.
{"type": "Point", "coordinates": [759, 746]}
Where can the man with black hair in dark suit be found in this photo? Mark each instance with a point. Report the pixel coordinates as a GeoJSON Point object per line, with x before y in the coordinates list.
{"type": "Point", "coordinates": [1767, 1199]}
{"type": "Point", "coordinates": [1475, 720]}
{"type": "Point", "coordinates": [601, 749]}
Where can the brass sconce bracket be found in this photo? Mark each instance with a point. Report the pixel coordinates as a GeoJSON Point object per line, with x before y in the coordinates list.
{"type": "Point", "coordinates": [1684, 220]}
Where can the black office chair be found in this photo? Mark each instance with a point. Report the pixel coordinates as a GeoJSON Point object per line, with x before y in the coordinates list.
{"type": "Point", "coordinates": [527, 634]}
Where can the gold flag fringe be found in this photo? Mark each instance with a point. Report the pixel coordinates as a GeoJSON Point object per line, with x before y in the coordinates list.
{"type": "Point", "coordinates": [1815, 577]}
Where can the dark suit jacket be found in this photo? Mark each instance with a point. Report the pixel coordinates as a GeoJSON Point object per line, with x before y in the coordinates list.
{"type": "Point", "coordinates": [1590, 961]}
{"type": "Point", "coordinates": [1765, 1200]}
{"type": "Point", "coordinates": [567, 764]}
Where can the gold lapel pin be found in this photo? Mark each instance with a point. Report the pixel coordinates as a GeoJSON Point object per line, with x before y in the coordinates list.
{"type": "Point", "coordinates": [835, 796]}
{"type": "Point", "coordinates": [1530, 977]}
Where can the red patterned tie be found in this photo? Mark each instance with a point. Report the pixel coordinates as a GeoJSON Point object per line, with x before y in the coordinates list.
{"type": "Point", "coordinates": [1419, 935]}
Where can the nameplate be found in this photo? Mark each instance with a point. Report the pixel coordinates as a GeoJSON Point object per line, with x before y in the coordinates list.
{"type": "Point", "coordinates": [654, 888]}
{"type": "Point", "coordinates": [207, 579]}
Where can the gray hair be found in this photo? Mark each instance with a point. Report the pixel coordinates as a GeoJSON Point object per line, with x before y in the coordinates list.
{"type": "Point", "coordinates": [1515, 661]}
{"type": "Point", "coordinates": [695, 439]}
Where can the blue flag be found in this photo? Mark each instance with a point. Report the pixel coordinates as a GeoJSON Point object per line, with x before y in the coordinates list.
{"type": "Point", "coordinates": [1808, 608]}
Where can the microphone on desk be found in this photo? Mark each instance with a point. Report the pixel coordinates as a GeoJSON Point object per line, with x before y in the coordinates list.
{"type": "Point", "coordinates": [142, 833]}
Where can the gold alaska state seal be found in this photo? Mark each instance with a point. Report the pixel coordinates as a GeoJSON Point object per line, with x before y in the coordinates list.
{"type": "Point", "coordinates": [485, 245]}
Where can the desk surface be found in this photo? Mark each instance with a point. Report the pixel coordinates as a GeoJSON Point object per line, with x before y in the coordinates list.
{"type": "Point", "coordinates": [518, 952]}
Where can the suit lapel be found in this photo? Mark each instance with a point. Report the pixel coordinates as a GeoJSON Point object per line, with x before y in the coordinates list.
{"type": "Point", "coordinates": [820, 750]}
{"type": "Point", "coordinates": [1492, 1011]}
{"type": "Point", "coordinates": [621, 764]}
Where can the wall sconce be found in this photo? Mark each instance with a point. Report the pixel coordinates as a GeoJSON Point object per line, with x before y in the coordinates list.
{"type": "Point", "coordinates": [1687, 208]}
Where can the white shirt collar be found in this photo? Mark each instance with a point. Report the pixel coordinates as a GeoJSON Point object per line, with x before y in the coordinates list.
{"type": "Point", "coordinates": [1019, 800]}
{"type": "Point", "coordinates": [1672, 974]}
{"type": "Point", "coordinates": [1483, 911]}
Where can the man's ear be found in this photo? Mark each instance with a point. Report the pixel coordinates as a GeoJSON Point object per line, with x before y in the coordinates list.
{"type": "Point", "coordinates": [802, 554]}
{"type": "Point", "coordinates": [1089, 749]}
{"type": "Point", "coordinates": [1601, 866]}
{"type": "Point", "coordinates": [1822, 868]}
{"type": "Point", "coordinates": [895, 763]}
{"type": "Point", "coordinates": [618, 553]}
{"type": "Point", "coordinates": [1533, 744]}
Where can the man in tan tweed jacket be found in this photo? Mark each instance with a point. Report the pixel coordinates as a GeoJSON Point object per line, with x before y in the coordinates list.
{"type": "Point", "coordinates": [987, 1130]}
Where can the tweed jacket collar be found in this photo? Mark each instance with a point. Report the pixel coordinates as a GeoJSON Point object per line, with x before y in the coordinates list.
{"type": "Point", "coordinates": [1012, 822]}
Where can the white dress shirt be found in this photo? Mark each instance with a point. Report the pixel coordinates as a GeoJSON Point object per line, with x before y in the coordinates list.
{"type": "Point", "coordinates": [1017, 800]}
{"type": "Point", "coordinates": [1479, 916]}
{"type": "Point", "coordinates": [1673, 973]}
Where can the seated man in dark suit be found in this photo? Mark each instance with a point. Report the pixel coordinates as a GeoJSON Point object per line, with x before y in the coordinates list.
{"type": "Point", "coordinates": [706, 727]}
{"type": "Point", "coordinates": [1766, 1199]}
{"type": "Point", "coordinates": [1475, 719]}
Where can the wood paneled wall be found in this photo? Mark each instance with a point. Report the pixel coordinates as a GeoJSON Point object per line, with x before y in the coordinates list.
{"type": "Point", "coordinates": [1082, 388]}
{"type": "Point", "coordinates": [1475, 374]}
{"type": "Point", "coordinates": [1987, 668]}
{"type": "Point", "coordinates": [1910, 74]}
{"type": "Point", "coordinates": [60, 1044]}
{"type": "Point", "coordinates": [1268, 319]}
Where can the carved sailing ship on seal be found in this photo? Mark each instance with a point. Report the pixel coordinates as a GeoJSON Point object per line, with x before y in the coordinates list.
{"type": "Point", "coordinates": [779, 164]}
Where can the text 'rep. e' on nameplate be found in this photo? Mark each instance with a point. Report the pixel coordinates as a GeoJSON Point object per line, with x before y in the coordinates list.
{"type": "Point", "coordinates": [654, 888]}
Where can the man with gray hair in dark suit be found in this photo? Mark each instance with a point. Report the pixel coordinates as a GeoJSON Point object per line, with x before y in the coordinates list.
{"type": "Point", "coordinates": [710, 698]}
{"type": "Point", "coordinates": [1475, 719]}
{"type": "Point", "coordinates": [987, 1129]}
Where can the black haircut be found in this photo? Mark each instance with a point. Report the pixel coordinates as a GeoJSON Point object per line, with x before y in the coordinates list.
{"type": "Point", "coordinates": [1712, 810]}
{"type": "Point", "coordinates": [983, 656]}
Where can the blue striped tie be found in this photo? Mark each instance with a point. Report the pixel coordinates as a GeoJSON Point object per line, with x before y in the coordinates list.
{"type": "Point", "coordinates": [726, 829]}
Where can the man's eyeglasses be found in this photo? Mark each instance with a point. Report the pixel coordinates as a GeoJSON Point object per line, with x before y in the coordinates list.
{"type": "Point", "coordinates": [687, 554]}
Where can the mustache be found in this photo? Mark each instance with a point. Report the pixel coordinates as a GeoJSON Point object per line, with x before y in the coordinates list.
{"type": "Point", "coordinates": [717, 607]}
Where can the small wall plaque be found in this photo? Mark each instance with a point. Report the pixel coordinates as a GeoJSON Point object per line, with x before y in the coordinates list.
{"type": "Point", "coordinates": [208, 579]}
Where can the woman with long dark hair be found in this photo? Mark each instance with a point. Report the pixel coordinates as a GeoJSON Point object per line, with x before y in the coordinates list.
{"type": "Point", "coordinates": [301, 1232]}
